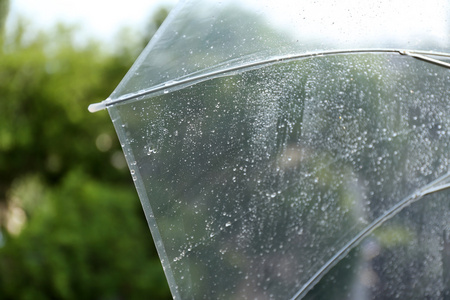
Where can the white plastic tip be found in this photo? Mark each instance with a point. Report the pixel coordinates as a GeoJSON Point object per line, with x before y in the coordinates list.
{"type": "Point", "coordinates": [96, 107]}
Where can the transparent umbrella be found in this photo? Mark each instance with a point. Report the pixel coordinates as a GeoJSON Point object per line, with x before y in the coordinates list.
{"type": "Point", "coordinates": [287, 150]}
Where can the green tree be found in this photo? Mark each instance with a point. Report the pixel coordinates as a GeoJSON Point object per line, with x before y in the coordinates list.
{"type": "Point", "coordinates": [71, 225]}
{"type": "Point", "coordinates": [4, 7]}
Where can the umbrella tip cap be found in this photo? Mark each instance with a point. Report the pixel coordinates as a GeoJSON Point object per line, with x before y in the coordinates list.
{"type": "Point", "coordinates": [95, 107]}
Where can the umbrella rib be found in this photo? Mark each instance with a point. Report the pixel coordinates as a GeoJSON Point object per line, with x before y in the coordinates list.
{"type": "Point", "coordinates": [427, 59]}
{"type": "Point", "coordinates": [422, 55]}
{"type": "Point", "coordinates": [440, 184]}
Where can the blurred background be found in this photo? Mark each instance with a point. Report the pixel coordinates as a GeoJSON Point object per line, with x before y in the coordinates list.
{"type": "Point", "coordinates": [71, 224]}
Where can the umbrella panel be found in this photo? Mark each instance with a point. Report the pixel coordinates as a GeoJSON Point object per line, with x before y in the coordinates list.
{"type": "Point", "coordinates": [203, 36]}
{"type": "Point", "coordinates": [408, 257]}
{"type": "Point", "coordinates": [252, 181]}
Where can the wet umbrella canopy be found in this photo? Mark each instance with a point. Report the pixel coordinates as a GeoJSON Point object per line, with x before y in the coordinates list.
{"type": "Point", "coordinates": [294, 149]}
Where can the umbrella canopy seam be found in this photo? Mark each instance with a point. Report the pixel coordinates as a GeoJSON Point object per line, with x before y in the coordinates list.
{"type": "Point", "coordinates": [435, 186]}
{"type": "Point", "coordinates": [421, 55]}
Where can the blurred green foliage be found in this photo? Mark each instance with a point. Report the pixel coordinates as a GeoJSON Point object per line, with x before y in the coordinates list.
{"type": "Point", "coordinates": [4, 7]}
{"type": "Point", "coordinates": [71, 225]}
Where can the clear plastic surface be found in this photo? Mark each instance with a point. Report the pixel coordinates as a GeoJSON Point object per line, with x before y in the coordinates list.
{"type": "Point", "coordinates": [203, 36]}
{"type": "Point", "coordinates": [318, 176]}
